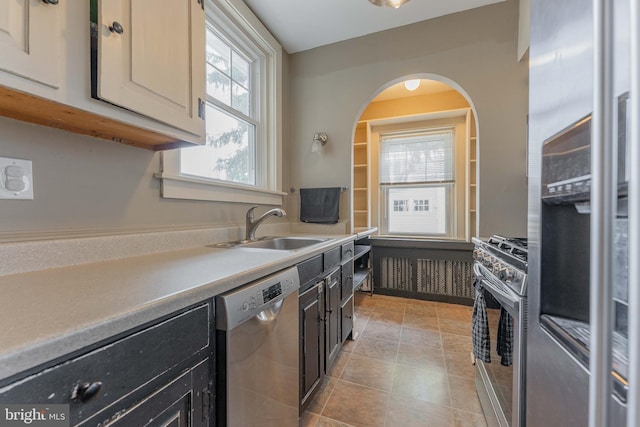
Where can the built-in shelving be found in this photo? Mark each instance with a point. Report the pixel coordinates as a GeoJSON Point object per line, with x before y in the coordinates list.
{"type": "Point", "coordinates": [362, 268]}
{"type": "Point", "coordinates": [361, 194]}
{"type": "Point", "coordinates": [472, 171]}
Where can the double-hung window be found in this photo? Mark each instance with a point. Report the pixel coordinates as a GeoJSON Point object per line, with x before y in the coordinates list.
{"type": "Point", "coordinates": [239, 161]}
{"type": "Point", "coordinates": [232, 116]}
{"type": "Point", "coordinates": [417, 183]}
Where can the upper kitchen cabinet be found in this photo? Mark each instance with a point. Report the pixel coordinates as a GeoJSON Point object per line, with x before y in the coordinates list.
{"type": "Point", "coordinates": [29, 44]}
{"type": "Point", "coordinates": [150, 59]}
{"type": "Point", "coordinates": [145, 59]}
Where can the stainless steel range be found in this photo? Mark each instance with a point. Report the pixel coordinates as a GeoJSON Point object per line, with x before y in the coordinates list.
{"type": "Point", "coordinates": [500, 268]}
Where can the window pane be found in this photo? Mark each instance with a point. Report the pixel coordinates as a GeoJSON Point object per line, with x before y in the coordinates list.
{"type": "Point", "coordinates": [229, 153]}
{"type": "Point", "coordinates": [430, 213]}
{"type": "Point", "coordinates": [240, 70]}
{"type": "Point", "coordinates": [417, 158]}
{"type": "Point", "coordinates": [218, 52]}
{"type": "Point", "coordinates": [218, 85]}
{"type": "Point", "coordinates": [240, 100]}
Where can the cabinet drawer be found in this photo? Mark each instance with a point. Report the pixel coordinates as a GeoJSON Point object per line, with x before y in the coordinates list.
{"type": "Point", "coordinates": [332, 258]}
{"type": "Point", "coordinates": [121, 366]}
{"type": "Point", "coordinates": [347, 280]}
{"type": "Point", "coordinates": [347, 251]}
{"type": "Point", "coordinates": [309, 270]}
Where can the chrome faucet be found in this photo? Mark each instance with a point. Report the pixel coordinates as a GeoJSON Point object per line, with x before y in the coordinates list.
{"type": "Point", "coordinates": [253, 225]}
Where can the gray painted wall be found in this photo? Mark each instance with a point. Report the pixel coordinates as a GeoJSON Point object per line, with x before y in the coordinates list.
{"type": "Point", "coordinates": [86, 184]}
{"type": "Point", "coordinates": [331, 85]}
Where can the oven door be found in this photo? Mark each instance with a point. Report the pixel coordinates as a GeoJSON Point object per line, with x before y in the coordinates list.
{"type": "Point", "coordinates": [501, 388]}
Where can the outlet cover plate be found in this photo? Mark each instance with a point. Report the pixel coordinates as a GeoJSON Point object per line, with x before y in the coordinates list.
{"type": "Point", "coordinates": [16, 179]}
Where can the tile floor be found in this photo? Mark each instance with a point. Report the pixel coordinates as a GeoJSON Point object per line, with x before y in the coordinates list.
{"type": "Point", "coordinates": [408, 366]}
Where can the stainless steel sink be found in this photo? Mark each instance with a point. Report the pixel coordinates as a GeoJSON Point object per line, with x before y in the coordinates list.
{"type": "Point", "coordinates": [275, 243]}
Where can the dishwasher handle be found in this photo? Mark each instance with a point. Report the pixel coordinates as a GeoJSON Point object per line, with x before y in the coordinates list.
{"type": "Point", "coordinates": [270, 314]}
{"type": "Point", "coordinates": [262, 299]}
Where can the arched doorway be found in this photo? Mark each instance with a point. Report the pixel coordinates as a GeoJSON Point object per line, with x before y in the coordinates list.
{"type": "Point", "coordinates": [397, 117]}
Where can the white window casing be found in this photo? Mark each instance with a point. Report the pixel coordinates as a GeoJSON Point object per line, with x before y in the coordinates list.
{"type": "Point", "coordinates": [234, 21]}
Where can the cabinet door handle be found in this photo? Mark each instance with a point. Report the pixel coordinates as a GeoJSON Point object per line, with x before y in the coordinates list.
{"type": "Point", "coordinates": [86, 391]}
{"type": "Point", "coordinates": [322, 319]}
{"type": "Point", "coordinates": [54, 2]}
{"type": "Point", "coordinates": [116, 27]}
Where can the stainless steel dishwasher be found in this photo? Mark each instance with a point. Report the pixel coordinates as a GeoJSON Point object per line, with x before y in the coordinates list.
{"type": "Point", "coordinates": [258, 353]}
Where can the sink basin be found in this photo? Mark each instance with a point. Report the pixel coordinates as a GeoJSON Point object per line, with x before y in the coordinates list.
{"type": "Point", "coordinates": [275, 243]}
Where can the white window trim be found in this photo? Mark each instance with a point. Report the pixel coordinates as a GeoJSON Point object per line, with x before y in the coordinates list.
{"type": "Point", "coordinates": [401, 124]}
{"type": "Point", "coordinates": [178, 186]}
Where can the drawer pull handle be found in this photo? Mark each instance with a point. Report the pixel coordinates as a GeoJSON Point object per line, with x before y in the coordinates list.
{"type": "Point", "coordinates": [86, 391]}
{"type": "Point", "coordinates": [53, 2]}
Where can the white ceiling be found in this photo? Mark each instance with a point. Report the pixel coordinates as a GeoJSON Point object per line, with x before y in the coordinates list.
{"type": "Point", "coordinates": [304, 24]}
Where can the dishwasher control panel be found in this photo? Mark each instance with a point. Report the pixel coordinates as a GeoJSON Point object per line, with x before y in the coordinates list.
{"type": "Point", "coordinates": [239, 305]}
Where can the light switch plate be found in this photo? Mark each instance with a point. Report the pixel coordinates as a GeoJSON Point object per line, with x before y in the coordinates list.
{"type": "Point", "coordinates": [16, 179]}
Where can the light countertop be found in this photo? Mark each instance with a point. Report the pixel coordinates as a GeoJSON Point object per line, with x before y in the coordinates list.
{"type": "Point", "coordinates": [51, 313]}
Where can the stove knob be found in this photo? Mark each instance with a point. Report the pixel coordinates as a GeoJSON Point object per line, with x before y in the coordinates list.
{"type": "Point", "coordinates": [477, 254]}
{"type": "Point", "coordinates": [496, 266]}
{"type": "Point", "coordinates": [486, 260]}
{"type": "Point", "coordinates": [506, 275]}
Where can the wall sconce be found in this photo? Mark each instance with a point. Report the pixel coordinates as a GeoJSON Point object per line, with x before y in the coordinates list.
{"type": "Point", "coordinates": [319, 139]}
{"type": "Point", "coordinates": [389, 3]}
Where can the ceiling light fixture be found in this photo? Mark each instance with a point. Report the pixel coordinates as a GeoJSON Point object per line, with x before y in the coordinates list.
{"type": "Point", "coordinates": [389, 3]}
{"type": "Point", "coordinates": [412, 84]}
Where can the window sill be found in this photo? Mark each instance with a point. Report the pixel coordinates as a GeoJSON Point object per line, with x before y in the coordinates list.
{"type": "Point", "coordinates": [182, 187]}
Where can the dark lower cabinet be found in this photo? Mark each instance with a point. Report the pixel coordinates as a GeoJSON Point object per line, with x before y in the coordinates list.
{"type": "Point", "coordinates": [160, 374]}
{"type": "Point", "coordinates": [326, 315]}
{"type": "Point", "coordinates": [346, 313]}
{"type": "Point", "coordinates": [311, 343]}
{"type": "Point", "coordinates": [332, 315]}
{"type": "Point", "coordinates": [182, 402]}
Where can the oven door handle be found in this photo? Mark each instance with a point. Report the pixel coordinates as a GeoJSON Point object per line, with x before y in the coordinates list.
{"type": "Point", "coordinates": [510, 302]}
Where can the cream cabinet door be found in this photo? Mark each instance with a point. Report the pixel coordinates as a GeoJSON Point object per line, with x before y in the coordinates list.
{"type": "Point", "coordinates": [151, 59]}
{"type": "Point", "coordinates": [29, 38]}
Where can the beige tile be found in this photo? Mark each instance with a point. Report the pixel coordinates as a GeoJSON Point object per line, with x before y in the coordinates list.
{"type": "Point", "coordinates": [460, 365]}
{"type": "Point", "coordinates": [454, 327]}
{"type": "Point", "coordinates": [421, 337]}
{"type": "Point", "coordinates": [308, 419]}
{"type": "Point", "coordinates": [357, 405]}
{"type": "Point", "coordinates": [369, 372]}
{"type": "Point", "coordinates": [468, 419]}
{"type": "Point", "coordinates": [409, 412]}
{"type": "Point", "coordinates": [377, 349]}
{"type": "Point", "coordinates": [428, 385]}
{"type": "Point", "coordinates": [387, 317]}
{"type": "Point", "coordinates": [328, 422]}
{"type": "Point", "coordinates": [460, 313]}
{"type": "Point", "coordinates": [464, 395]}
{"type": "Point", "coordinates": [456, 343]}
{"type": "Point", "coordinates": [382, 331]}
{"type": "Point", "coordinates": [422, 310]}
{"type": "Point", "coordinates": [422, 303]}
{"type": "Point", "coordinates": [321, 398]}
{"type": "Point", "coordinates": [349, 345]}
{"type": "Point", "coordinates": [420, 321]}
{"type": "Point", "coordinates": [338, 365]}
{"type": "Point", "coordinates": [363, 300]}
{"type": "Point", "coordinates": [420, 356]}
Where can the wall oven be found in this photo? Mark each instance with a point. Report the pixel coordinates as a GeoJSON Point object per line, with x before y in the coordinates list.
{"type": "Point", "coordinates": [500, 267]}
